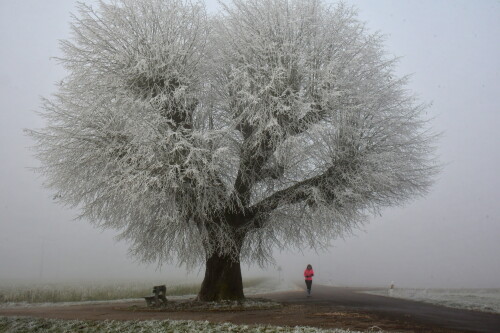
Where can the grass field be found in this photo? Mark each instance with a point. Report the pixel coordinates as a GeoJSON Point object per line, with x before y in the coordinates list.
{"type": "Point", "coordinates": [102, 291]}
{"type": "Point", "coordinates": [22, 325]}
{"type": "Point", "coordinates": [26, 293]}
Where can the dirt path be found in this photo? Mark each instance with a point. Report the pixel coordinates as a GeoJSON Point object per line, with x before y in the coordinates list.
{"type": "Point", "coordinates": [329, 307]}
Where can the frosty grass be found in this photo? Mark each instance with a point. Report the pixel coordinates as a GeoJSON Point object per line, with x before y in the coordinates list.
{"type": "Point", "coordinates": [22, 325]}
{"type": "Point", "coordinates": [50, 294]}
{"type": "Point", "coordinates": [485, 300]}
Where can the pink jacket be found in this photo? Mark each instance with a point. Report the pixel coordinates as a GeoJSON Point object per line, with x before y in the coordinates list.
{"type": "Point", "coordinates": [308, 274]}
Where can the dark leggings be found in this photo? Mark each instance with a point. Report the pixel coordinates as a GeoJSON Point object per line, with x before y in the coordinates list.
{"type": "Point", "coordinates": [309, 284]}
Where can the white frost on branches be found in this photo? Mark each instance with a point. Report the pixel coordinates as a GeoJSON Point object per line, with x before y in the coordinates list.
{"type": "Point", "coordinates": [277, 123]}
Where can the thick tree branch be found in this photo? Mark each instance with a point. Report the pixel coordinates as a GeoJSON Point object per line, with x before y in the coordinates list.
{"type": "Point", "coordinates": [296, 193]}
{"type": "Point", "coordinates": [252, 165]}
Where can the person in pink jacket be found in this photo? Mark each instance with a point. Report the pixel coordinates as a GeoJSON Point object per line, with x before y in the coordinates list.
{"type": "Point", "coordinates": [308, 274]}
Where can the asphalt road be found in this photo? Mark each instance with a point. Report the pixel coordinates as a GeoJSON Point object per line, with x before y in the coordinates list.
{"type": "Point", "coordinates": [352, 299]}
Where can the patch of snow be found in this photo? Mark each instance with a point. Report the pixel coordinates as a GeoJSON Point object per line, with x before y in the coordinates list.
{"type": "Point", "coordinates": [486, 300]}
{"type": "Point", "coordinates": [270, 286]}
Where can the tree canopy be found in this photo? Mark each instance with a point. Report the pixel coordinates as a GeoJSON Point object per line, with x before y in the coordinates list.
{"type": "Point", "coordinates": [273, 124]}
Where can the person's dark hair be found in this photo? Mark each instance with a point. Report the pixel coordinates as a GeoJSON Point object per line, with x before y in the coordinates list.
{"type": "Point", "coordinates": [309, 267]}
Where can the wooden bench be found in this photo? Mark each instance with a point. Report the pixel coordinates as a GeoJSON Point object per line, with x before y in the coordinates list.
{"type": "Point", "coordinates": [158, 298]}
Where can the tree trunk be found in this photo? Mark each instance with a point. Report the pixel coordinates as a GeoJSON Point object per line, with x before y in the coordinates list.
{"type": "Point", "coordinates": [222, 280]}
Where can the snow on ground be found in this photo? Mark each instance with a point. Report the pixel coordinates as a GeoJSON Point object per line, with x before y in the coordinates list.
{"type": "Point", "coordinates": [269, 286]}
{"type": "Point", "coordinates": [486, 300]}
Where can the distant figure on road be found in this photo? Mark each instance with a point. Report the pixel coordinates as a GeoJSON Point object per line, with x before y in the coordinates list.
{"type": "Point", "coordinates": [391, 289]}
{"type": "Point", "coordinates": [308, 274]}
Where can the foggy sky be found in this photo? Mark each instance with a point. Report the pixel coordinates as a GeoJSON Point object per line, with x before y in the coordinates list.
{"type": "Point", "coordinates": [449, 238]}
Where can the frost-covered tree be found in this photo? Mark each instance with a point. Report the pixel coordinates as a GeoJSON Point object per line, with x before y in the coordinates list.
{"type": "Point", "coordinates": [276, 124]}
